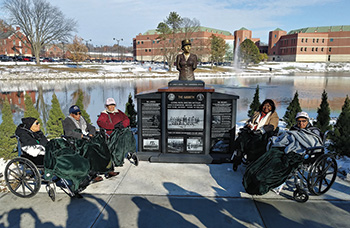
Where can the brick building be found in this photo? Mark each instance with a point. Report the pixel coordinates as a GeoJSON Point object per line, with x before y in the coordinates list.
{"type": "Point", "coordinates": [148, 46]}
{"type": "Point", "coordinates": [311, 44]}
{"type": "Point", "coordinates": [13, 42]}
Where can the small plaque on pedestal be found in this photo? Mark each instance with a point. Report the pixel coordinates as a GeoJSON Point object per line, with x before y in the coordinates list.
{"type": "Point", "coordinates": [180, 83]}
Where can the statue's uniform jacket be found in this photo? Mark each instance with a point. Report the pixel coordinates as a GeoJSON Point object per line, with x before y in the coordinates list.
{"type": "Point", "coordinates": [186, 68]}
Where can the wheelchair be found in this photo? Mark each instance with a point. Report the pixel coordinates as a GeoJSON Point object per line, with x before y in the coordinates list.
{"type": "Point", "coordinates": [24, 178]}
{"type": "Point", "coordinates": [316, 173]}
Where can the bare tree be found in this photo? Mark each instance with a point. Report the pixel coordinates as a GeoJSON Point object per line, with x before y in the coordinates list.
{"type": "Point", "coordinates": [78, 50]}
{"type": "Point", "coordinates": [40, 22]}
{"type": "Point", "coordinates": [189, 26]}
{"type": "Point", "coordinates": [172, 31]}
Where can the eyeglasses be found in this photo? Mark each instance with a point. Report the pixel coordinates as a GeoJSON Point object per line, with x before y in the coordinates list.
{"type": "Point", "coordinates": [77, 113]}
{"type": "Point", "coordinates": [301, 121]}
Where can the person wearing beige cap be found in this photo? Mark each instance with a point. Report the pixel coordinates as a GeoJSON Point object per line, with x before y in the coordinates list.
{"type": "Point", "coordinates": [112, 117]}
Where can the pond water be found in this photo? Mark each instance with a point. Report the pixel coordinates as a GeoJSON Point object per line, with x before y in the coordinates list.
{"type": "Point", "coordinates": [279, 88]}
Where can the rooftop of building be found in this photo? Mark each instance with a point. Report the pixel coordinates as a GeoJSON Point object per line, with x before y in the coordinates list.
{"type": "Point", "coordinates": [338, 28]}
{"type": "Point", "coordinates": [201, 29]}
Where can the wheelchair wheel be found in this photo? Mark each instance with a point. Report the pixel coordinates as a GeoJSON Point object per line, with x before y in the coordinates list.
{"type": "Point", "coordinates": [322, 174]}
{"type": "Point", "coordinates": [300, 195]}
{"type": "Point", "coordinates": [22, 177]}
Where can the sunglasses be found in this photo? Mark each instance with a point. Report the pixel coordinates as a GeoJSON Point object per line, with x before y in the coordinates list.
{"type": "Point", "coordinates": [302, 121]}
{"type": "Point", "coordinates": [77, 113]}
{"type": "Point", "coordinates": [37, 123]}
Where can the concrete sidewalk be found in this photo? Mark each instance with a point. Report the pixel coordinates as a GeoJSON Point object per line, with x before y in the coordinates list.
{"type": "Point", "coordinates": [176, 195]}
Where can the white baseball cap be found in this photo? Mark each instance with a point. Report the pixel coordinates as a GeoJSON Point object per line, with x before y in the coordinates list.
{"type": "Point", "coordinates": [110, 101]}
{"type": "Point", "coordinates": [302, 114]}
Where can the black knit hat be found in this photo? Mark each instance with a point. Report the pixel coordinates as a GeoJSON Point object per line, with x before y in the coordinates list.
{"type": "Point", "coordinates": [28, 122]}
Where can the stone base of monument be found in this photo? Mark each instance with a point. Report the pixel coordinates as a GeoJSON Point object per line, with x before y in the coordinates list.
{"type": "Point", "coordinates": [186, 122]}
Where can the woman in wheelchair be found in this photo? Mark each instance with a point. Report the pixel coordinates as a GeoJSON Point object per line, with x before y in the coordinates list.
{"type": "Point", "coordinates": [253, 137]}
{"type": "Point", "coordinates": [32, 139]}
{"type": "Point", "coordinates": [284, 156]}
{"type": "Point", "coordinates": [112, 118]}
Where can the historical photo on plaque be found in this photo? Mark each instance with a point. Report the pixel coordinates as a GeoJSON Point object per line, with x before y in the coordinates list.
{"type": "Point", "coordinates": [150, 144]}
{"type": "Point", "coordinates": [175, 145]}
{"type": "Point", "coordinates": [194, 144]}
{"type": "Point", "coordinates": [185, 119]}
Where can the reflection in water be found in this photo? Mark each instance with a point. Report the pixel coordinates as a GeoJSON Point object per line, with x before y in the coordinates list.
{"type": "Point", "coordinates": [279, 88]}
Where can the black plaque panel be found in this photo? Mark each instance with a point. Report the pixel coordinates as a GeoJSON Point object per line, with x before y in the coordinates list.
{"type": "Point", "coordinates": [221, 124]}
{"type": "Point", "coordinates": [151, 125]}
{"type": "Point", "coordinates": [185, 122]}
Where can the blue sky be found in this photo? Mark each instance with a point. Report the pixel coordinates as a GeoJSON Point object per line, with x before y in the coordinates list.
{"type": "Point", "coordinates": [103, 20]}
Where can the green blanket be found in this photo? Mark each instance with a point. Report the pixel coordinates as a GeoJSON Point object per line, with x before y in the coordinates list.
{"type": "Point", "coordinates": [120, 142]}
{"type": "Point", "coordinates": [62, 161]}
{"type": "Point", "coordinates": [270, 171]}
{"type": "Point", "coordinates": [97, 152]}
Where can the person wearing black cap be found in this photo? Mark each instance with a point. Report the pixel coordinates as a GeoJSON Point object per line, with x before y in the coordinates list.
{"type": "Point", "coordinates": [33, 140]}
{"type": "Point", "coordinates": [186, 62]}
{"type": "Point", "coordinates": [75, 125]}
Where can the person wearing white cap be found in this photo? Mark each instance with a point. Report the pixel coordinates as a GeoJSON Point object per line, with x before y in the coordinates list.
{"type": "Point", "coordinates": [112, 118]}
{"type": "Point", "coordinates": [303, 122]}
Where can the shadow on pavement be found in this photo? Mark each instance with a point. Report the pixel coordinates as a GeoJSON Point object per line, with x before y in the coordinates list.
{"type": "Point", "coordinates": [153, 215]}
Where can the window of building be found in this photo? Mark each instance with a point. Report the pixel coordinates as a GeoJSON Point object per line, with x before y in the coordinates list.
{"type": "Point", "coordinates": [316, 49]}
{"type": "Point", "coordinates": [322, 49]}
{"type": "Point", "coordinates": [317, 41]}
{"type": "Point", "coordinates": [302, 40]}
{"type": "Point", "coordinates": [313, 40]}
{"type": "Point", "coordinates": [331, 40]}
{"type": "Point", "coordinates": [305, 49]}
{"type": "Point", "coordinates": [145, 50]}
{"type": "Point", "coordinates": [149, 50]}
{"type": "Point", "coordinates": [275, 35]}
{"type": "Point", "coordinates": [330, 49]}
{"type": "Point", "coordinates": [154, 41]}
{"type": "Point", "coordinates": [25, 50]}
{"type": "Point", "coordinates": [141, 42]}
{"type": "Point", "coordinates": [4, 42]}
{"type": "Point", "coordinates": [14, 42]}
{"type": "Point", "coordinates": [312, 49]}
{"type": "Point", "coordinates": [274, 44]}
{"type": "Point", "coordinates": [138, 42]}
{"type": "Point", "coordinates": [169, 41]}
{"type": "Point", "coordinates": [306, 40]}
{"type": "Point", "coordinates": [301, 49]}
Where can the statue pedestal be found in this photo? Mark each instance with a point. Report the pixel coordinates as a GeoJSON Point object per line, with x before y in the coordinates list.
{"type": "Point", "coordinates": [185, 122]}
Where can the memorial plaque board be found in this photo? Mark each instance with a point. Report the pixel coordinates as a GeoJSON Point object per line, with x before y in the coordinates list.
{"type": "Point", "coordinates": [221, 123]}
{"type": "Point", "coordinates": [185, 122]}
{"type": "Point", "coordinates": [151, 125]}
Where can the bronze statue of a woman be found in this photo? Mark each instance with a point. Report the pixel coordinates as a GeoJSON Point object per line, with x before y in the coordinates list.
{"type": "Point", "coordinates": [186, 62]}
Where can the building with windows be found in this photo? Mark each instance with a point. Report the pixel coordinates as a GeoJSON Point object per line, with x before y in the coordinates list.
{"type": "Point", "coordinates": [149, 47]}
{"type": "Point", "coordinates": [311, 44]}
{"type": "Point", "coordinates": [13, 42]}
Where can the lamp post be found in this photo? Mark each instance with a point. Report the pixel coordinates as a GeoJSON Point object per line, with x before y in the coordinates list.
{"type": "Point", "coordinates": [118, 40]}
{"type": "Point", "coordinates": [87, 43]}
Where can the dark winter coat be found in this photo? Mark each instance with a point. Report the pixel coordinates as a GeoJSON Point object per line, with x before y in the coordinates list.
{"type": "Point", "coordinates": [107, 120]}
{"type": "Point", "coordinates": [30, 138]}
{"type": "Point", "coordinates": [71, 130]}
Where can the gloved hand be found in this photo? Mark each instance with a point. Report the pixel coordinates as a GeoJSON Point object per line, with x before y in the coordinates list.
{"type": "Point", "coordinates": [86, 137]}
{"type": "Point", "coordinates": [257, 132]}
{"type": "Point", "coordinates": [119, 126]}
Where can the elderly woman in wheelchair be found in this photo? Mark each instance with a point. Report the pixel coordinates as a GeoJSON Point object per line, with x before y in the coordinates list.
{"type": "Point", "coordinates": [40, 160]}
{"type": "Point", "coordinates": [253, 137]}
{"type": "Point", "coordinates": [298, 153]}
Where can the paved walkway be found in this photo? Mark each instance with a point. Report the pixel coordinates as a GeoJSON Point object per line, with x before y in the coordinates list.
{"type": "Point", "coordinates": [176, 195]}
